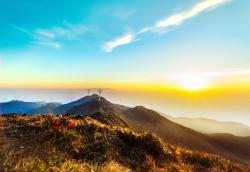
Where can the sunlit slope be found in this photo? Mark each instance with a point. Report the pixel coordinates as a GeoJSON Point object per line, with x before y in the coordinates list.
{"type": "Point", "coordinates": [49, 143]}
{"type": "Point", "coordinates": [143, 119]}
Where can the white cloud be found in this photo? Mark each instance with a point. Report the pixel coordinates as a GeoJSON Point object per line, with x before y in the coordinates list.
{"type": "Point", "coordinates": [144, 30]}
{"type": "Point", "coordinates": [67, 31]}
{"type": "Point", "coordinates": [45, 33]}
{"type": "Point", "coordinates": [51, 44]}
{"type": "Point", "coordinates": [55, 37]}
{"type": "Point", "coordinates": [126, 39]}
{"type": "Point", "coordinates": [22, 30]}
{"type": "Point", "coordinates": [177, 19]}
{"type": "Point", "coordinates": [172, 20]}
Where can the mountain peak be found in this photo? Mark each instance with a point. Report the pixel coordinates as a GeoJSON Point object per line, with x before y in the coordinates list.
{"type": "Point", "coordinates": [14, 101]}
{"type": "Point", "coordinates": [93, 97]}
{"type": "Point", "coordinates": [84, 104]}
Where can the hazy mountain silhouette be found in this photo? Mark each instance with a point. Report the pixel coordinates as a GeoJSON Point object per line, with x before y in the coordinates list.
{"type": "Point", "coordinates": [21, 107]}
{"type": "Point", "coordinates": [45, 108]}
{"type": "Point", "coordinates": [16, 106]}
{"type": "Point", "coordinates": [210, 126]}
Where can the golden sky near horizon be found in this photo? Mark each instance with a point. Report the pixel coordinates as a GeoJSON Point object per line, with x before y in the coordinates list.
{"type": "Point", "coordinates": [223, 95]}
{"type": "Point", "coordinates": [234, 80]}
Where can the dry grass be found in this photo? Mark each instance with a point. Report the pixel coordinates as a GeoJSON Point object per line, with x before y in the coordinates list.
{"type": "Point", "coordinates": [35, 143]}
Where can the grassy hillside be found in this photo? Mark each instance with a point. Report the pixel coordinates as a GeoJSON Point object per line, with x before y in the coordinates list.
{"type": "Point", "coordinates": [230, 146]}
{"type": "Point", "coordinates": [50, 143]}
{"type": "Point", "coordinates": [141, 119]}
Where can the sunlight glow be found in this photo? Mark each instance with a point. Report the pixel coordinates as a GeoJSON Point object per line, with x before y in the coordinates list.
{"type": "Point", "coordinates": [193, 84]}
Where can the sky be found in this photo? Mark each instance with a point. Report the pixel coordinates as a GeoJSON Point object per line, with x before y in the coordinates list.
{"type": "Point", "coordinates": [164, 47]}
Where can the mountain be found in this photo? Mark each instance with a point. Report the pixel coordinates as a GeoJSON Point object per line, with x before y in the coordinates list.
{"type": "Point", "coordinates": [102, 110]}
{"type": "Point", "coordinates": [45, 108]}
{"type": "Point", "coordinates": [21, 107]}
{"type": "Point", "coordinates": [235, 148]}
{"type": "Point", "coordinates": [210, 126]}
{"type": "Point", "coordinates": [18, 107]}
{"type": "Point", "coordinates": [66, 107]}
{"type": "Point", "coordinates": [35, 143]}
{"type": "Point", "coordinates": [142, 119]}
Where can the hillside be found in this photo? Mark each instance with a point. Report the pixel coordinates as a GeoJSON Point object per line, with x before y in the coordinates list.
{"type": "Point", "coordinates": [142, 119]}
{"type": "Point", "coordinates": [50, 143]}
{"type": "Point", "coordinates": [210, 126]}
{"type": "Point", "coordinates": [68, 106]}
{"type": "Point", "coordinates": [233, 147]}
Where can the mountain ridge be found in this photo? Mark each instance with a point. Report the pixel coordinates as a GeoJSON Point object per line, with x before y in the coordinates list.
{"type": "Point", "coordinates": [211, 126]}
{"type": "Point", "coordinates": [142, 119]}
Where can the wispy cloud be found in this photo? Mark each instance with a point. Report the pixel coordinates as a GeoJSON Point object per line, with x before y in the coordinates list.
{"type": "Point", "coordinates": [177, 19]}
{"type": "Point", "coordinates": [66, 31]}
{"type": "Point", "coordinates": [173, 20]}
{"type": "Point", "coordinates": [52, 44]}
{"type": "Point", "coordinates": [22, 30]}
{"type": "Point", "coordinates": [45, 33]}
{"type": "Point", "coordinates": [126, 39]}
{"type": "Point", "coordinates": [55, 37]}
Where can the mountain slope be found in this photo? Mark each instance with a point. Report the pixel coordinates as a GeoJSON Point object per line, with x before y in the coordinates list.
{"type": "Point", "coordinates": [102, 110]}
{"type": "Point", "coordinates": [45, 108]}
{"type": "Point", "coordinates": [142, 119]}
{"type": "Point", "coordinates": [66, 107]}
{"type": "Point", "coordinates": [210, 126]}
{"type": "Point", "coordinates": [33, 143]}
{"type": "Point", "coordinates": [233, 147]}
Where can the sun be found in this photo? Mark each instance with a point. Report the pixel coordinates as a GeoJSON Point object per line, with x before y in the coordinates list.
{"type": "Point", "coordinates": [193, 84]}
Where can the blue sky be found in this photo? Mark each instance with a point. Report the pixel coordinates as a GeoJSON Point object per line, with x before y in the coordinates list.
{"type": "Point", "coordinates": [191, 44]}
{"type": "Point", "coordinates": [77, 40]}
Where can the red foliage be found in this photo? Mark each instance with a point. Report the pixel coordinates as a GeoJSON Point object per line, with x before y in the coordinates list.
{"type": "Point", "coordinates": [71, 124]}
{"type": "Point", "coordinates": [56, 125]}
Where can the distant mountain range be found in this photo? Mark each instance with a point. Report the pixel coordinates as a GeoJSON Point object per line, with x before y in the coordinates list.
{"type": "Point", "coordinates": [211, 126]}
{"type": "Point", "coordinates": [21, 107]}
{"type": "Point", "coordinates": [143, 120]}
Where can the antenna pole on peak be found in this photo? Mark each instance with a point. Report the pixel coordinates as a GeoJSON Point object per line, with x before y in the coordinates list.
{"type": "Point", "coordinates": [100, 93]}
